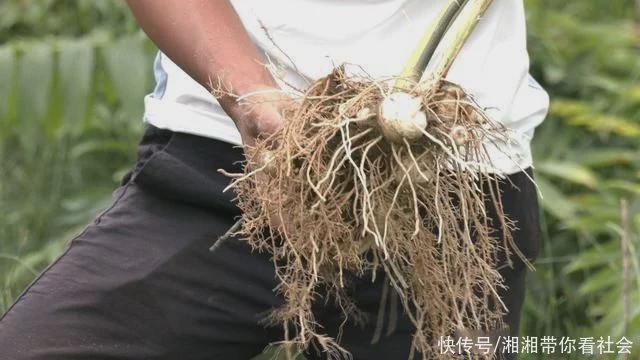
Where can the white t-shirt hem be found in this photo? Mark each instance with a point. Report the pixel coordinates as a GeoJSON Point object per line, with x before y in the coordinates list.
{"type": "Point", "coordinates": [187, 119]}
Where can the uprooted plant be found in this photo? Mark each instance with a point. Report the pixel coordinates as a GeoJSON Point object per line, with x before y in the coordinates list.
{"type": "Point", "coordinates": [367, 175]}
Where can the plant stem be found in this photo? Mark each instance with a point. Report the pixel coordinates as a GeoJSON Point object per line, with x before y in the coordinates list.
{"type": "Point", "coordinates": [624, 215]}
{"type": "Point", "coordinates": [417, 62]}
{"type": "Point", "coordinates": [453, 41]}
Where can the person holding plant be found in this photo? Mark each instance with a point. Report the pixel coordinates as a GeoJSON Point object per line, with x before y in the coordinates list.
{"type": "Point", "coordinates": [139, 281]}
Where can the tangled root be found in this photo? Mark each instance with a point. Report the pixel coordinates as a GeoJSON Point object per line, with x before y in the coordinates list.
{"type": "Point", "coordinates": [336, 197]}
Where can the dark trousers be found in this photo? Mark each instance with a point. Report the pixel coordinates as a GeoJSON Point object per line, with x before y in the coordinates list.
{"type": "Point", "coordinates": [140, 282]}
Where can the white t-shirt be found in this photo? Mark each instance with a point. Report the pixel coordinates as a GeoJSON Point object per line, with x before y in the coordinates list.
{"type": "Point", "coordinates": [379, 36]}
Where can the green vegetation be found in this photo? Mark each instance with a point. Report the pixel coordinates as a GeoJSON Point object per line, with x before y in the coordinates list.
{"type": "Point", "coordinates": [70, 109]}
{"type": "Point", "coordinates": [588, 159]}
{"type": "Point", "coordinates": [72, 78]}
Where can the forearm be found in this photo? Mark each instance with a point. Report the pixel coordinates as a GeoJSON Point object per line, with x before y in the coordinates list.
{"type": "Point", "coordinates": [207, 40]}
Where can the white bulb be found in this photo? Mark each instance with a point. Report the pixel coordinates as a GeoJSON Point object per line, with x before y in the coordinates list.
{"type": "Point", "coordinates": [400, 117]}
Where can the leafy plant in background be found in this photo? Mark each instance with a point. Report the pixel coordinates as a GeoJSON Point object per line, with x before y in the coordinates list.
{"type": "Point", "coordinates": [587, 161]}
{"type": "Point", "coordinates": [44, 18]}
{"type": "Point", "coordinates": [70, 111]}
{"type": "Point", "coordinates": [72, 78]}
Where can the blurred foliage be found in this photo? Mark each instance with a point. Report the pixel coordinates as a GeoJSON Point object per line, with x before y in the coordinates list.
{"type": "Point", "coordinates": [69, 18]}
{"type": "Point", "coordinates": [72, 79]}
{"type": "Point", "coordinates": [73, 75]}
{"type": "Point", "coordinates": [587, 156]}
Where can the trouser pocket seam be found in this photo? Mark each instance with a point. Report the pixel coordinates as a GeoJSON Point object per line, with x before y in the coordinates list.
{"type": "Point", "coordinates": [142, 166]}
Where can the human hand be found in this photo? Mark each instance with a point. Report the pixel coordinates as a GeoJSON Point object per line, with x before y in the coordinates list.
{"type": "Point", "coordinates": [258, 115]}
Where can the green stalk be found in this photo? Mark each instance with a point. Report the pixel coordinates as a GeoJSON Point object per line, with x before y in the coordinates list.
{"type": "Point", "coordinates": [441, 28]}
{"type": "Point", "coordinates": [451, 44]}
{"type": "Point", "coordinates": [417, 62]}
